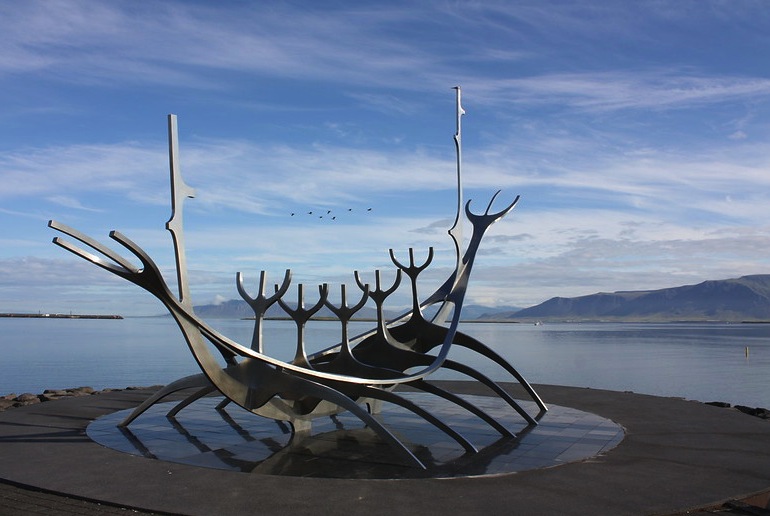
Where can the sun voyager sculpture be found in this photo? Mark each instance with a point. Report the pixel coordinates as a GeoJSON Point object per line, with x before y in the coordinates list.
{"type": "Point", "coordinates": [358, 374]}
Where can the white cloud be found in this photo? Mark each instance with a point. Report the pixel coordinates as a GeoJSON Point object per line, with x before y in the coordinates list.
{"type": "Point", "coordinates": [738, 135]}
{"type": "Point", "coordinates": [618, 89]}
{"type": "Point", "coordinates": [634, 162]}
{"type": "Point", "coordinates": [175, 42]}
{"type": "Point", "coordinates": [180, 44]}
{"type": "Point", "coordinates": [70, 202]}
{"type": "Point", "coordinates": [55, 172]}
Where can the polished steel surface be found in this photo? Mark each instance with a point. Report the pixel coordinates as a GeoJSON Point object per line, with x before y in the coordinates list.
{"type": "Point", "coordinates": [359, 373]}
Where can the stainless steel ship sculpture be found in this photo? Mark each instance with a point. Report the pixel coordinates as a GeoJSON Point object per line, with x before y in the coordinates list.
{"type": "Point", "coordinates": [359, 373]}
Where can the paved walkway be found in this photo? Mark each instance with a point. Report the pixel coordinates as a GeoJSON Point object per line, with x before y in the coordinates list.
{"type": "Point", "coordinates": [677, 455]}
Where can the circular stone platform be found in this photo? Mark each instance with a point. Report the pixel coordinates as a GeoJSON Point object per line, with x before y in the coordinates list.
{"type": "Point", "coordinates": [341, 447]}
{"type": "Point", "coordinates": [676, 455]}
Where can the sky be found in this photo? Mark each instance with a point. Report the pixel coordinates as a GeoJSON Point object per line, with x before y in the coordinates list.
{"type": "Point", "coordinates": [636, 133]}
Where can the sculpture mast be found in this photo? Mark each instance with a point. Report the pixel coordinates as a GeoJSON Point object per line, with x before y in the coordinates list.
{"type": "Point", "coordinates": [456, 231]}
{"type": "Point", "coordinates": [179, 192]}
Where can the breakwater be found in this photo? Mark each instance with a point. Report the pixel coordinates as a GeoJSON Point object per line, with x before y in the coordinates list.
{"type": "Point", "coordinates": [14, 400]}
{"type": "Point", "coordinates": [60, 316]}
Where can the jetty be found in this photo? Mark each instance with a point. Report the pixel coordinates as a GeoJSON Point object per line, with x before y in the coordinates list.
{"type": "Point", "coordinates": [61, 316]}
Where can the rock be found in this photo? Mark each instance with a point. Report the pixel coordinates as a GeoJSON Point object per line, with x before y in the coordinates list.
{"type": "Point", "coordinates": [54, 395]}
{"type": "Point", "coordinates": [718, 404]}
{"type": "Point", "coordinates": [13, 400]}
{"type": "Point", "coordinates": [81, 391]}
{"type": "Point", "coordinates": [26, 399]}
{"type": "Point", "coordinates": [754, 411]}
{"type": "Point", "coordinates": [745, 409]}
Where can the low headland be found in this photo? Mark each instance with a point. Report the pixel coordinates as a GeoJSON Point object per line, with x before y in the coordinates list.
{"type": "Point", "coordinates": [59, 316]}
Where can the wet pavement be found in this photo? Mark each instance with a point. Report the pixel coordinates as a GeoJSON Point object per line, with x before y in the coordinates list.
{"type": "Point", "coordinates": [342, 447]}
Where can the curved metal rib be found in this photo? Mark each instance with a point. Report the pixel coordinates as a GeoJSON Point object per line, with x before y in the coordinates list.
{"type": "Point", "coordinates": [188, 382]}
{"type": "Point", "coordinates": [373, 351]}
{"type": "Point", "coordinates": [379, 295]}
{"type": "Point", "coordinates": [478, 376]}
{"type": "Point", "coordinates": [301, 315]}
{"type": "Point", "coordinates": [191, 399]}
{"type": "Point", "coordinates": [427, 416]}
{"type": "Point", "coordinates": [260, 303]}
{"type": "Point", "coordinates": [462, 402]}
{"type": "Point", "coordinates": [321, 391]}
{"type": "Point", "coordinates": [344, 313]}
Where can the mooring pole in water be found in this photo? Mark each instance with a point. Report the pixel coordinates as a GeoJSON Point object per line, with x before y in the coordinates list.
{"type": "Point", "coordinates": [747, 351]}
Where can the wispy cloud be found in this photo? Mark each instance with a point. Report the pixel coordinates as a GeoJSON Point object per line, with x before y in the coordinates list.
{"type": "Point", "coordinates": [181, 43]}
{"type": "Point", "coordinates": [238, 176]}
{"type": "Point", "coordinates": [620, 90]}
{"type": "Point", "coordinates": [636, 138]}
{"type": "Point", "coordinates": [69, 202]}
{"type": "Point", "coordinates": [178, 42]}
{"type": "Point", "coordinates": [36, 171]}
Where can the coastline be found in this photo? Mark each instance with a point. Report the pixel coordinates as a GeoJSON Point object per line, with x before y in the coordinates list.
{"type": "Point", "coordinates": [59, 316]}
{"type": "Point", "coordinates": [14, 400]}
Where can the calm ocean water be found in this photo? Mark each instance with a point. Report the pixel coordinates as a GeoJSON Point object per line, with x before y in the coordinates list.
{"type": "Point", "coordinates": [705, 362]}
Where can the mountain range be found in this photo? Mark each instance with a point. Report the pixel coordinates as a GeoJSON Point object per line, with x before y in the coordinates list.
{"type": "Point", "coordinates": [237, 308]}
{"type": "Point", "coordinates": [734, 300]}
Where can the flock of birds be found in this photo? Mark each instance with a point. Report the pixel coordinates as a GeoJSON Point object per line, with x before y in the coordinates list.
{"type": "Point", "coordinates": [327, 214]}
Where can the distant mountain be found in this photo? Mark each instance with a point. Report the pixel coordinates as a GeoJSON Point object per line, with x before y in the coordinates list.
{"type": "Point", "coordinates": [473, 312]}
{"type": "Point", "coordinates": [740, 299]}
{"type": "Point", "coordinates": [239, 309]}
{"type": "Point", "coordinates": [234, 308]}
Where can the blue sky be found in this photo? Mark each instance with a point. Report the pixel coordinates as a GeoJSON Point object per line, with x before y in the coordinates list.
{"type": "Point", "coordinates": [637, 133]}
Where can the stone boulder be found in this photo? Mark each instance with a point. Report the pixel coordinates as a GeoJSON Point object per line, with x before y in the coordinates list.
{"type": "Point", "coordinates": [26, 399]}
{"type": "Point", "coordinates": [754, 411]}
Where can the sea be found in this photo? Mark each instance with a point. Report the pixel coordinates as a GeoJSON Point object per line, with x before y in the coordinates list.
{"type": "Point", "coordinates": [696, 361]}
